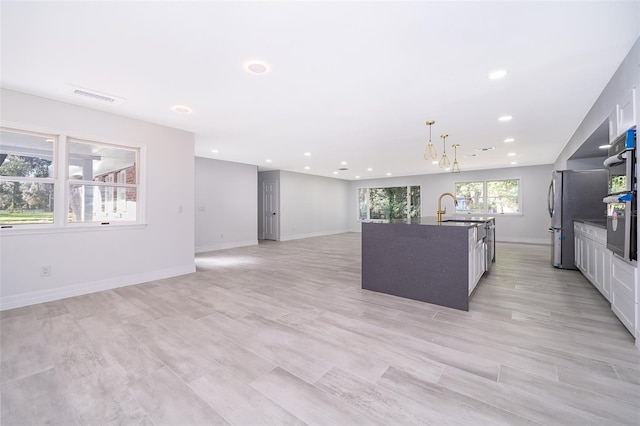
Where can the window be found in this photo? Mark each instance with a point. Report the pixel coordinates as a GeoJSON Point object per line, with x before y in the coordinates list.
{"type": "Point", "coordinates": [502, 196]}
{"type": "Point", "coordinates": [388, 203]}
{"type": "Point", "coordinates": [470, 197]}
{"type": "Point", "coordinates": [102, 182]}
{"type": "Point", "coordinates": [95, 182]}
{"type": "Point", "coordinates": [26, 178]}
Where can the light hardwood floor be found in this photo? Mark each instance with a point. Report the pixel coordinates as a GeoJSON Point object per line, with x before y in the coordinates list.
{"type": "Point", "coordinates": [282, 333]}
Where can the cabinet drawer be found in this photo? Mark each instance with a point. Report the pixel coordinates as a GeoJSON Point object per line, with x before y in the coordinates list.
{"type": "Point", "coordinates": [623, 292]}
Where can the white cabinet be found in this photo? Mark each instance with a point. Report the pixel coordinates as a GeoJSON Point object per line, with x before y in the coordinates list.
{"type": "Point", "coordinates": [624, 115]}
{"type": "Point", "coordinates": [623, 292]}
{"type": "Point", "coordinates": [616, 279]}
{"type": "Point", "coordinates": [592, 257]}
{"type": "Point", "coordinates": [476, 258]}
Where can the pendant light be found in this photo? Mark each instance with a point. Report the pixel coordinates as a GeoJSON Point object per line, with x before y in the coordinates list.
{"type": "Point", "coordinates": [430, 153]}
{"type": "Point", "coordinates": [444, 160]}
{"type": "Point", "coordinates": [456, 167]}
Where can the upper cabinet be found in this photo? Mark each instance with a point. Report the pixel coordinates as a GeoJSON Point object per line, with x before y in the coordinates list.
{"type": "Point", "coordinates": [624, 115]}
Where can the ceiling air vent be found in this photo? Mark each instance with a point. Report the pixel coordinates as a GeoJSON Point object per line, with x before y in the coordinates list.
{"type": "Point", "coordinates": [96, 96]}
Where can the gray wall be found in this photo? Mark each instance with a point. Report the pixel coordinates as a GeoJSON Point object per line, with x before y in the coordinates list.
{"type": "Point", "coordinates": [623, 81]}
{"type": "Point", "coordinates": [529, 227]}
{"type": "Point", "coordinates": [226, 203]}
{"type": "Point", "coordinates": [312, 205]}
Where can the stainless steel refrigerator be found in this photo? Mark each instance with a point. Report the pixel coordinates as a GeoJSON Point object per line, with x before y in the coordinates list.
{"type": "Point", "coordinates": [573, 194]}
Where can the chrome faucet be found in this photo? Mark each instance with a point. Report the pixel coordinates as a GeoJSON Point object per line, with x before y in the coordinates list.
{"type": "Point", "coordinates": [440, 211]}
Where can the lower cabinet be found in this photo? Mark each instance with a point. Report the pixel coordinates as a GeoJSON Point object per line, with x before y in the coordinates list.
{"type": "Point", "coordinates": [613, 277]}
{"type": "Point", "coordinates": [623, 293]}
{"type": "Point", "coordinates": [592, 256]}
{"type": "Point", "coordinates": [476, 259]}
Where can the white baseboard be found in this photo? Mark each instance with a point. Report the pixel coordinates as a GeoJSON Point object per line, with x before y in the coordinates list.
{"type": "Point", "coordinates": [25, 299]}
{"type": "Point", "coordinates": [310, 235]}
{"type": "Point", "coordinates": [222, 246]}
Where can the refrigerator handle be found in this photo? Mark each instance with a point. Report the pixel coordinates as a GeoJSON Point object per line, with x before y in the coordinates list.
{"type": "Point", "coordinates": [550, 197]}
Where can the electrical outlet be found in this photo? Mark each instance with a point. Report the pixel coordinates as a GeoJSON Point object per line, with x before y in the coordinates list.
{"type": "Point", "coordinates": [45, 271]}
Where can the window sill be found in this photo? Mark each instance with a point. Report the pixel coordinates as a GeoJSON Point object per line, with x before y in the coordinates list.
{"type": "Point", "coordinates": [18, 231]}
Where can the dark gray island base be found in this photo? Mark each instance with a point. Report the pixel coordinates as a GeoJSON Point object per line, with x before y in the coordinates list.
{"type": "Point", "coordinates": [425, 260]}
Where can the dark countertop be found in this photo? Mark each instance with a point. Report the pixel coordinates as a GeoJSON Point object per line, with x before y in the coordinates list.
{"type": "Point", "coordinates": [458, 221]}
{"type": "Point", "coordinates": [599, 223]}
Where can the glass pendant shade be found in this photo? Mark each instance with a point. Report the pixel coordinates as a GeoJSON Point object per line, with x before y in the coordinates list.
{"type": "Point", "coordinates": [430, 152]}
{"type": "Point", "coordinates": [456, 166]}
{"type": "Point", "coordinates": [444, 160]}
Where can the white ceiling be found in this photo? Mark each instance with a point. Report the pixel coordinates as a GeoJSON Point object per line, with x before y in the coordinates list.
{"type": "Point", "coordinates": [348, 81]}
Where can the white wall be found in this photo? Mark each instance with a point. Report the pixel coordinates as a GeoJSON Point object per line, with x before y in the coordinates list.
{"type": "Point", "coordinates": [226, 202]}
{"type": "Point", "coordinates": [312, 205]}
{"type": "Point", "coordinates": [529, 227]}
{"type": "Point", "coordinates": [97, 259]}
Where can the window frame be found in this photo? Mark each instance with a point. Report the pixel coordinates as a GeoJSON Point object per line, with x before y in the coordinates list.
{"type": "Point", "coordinates": [62, 182]}
{"type": "Point", "coordinates": [368, 201]}
{"type": "Point", "coordinates": [485, 197]}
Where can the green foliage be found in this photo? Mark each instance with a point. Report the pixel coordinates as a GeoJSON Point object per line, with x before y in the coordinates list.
{"type": "Point", "coordinates": [19, 195]}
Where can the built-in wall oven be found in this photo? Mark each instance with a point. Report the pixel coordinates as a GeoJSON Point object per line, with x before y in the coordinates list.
{"type": "Point", "coordinates": [622, 210]}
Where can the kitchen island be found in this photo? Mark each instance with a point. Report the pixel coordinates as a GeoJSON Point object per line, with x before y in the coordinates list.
{"type": "Point", "coordinates": [427, 260]}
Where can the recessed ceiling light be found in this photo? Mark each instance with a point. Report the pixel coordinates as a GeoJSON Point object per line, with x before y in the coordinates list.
{"type": "Point", "coordinates": [434, 162]}
{"type": "Point", "coordinates": [307, 167]}
{"type": "Point", "coordinates": [344, 163]}
{"type": "Point", "coordinates": [181, 109]}
{"type": "Point", "coordinates": [497, 74]}
{"type": "Point", "coordinates": [268, 160]}
{"type": "Point", "coordinates": [604, 146]}
{"type": "Point", "coordinates": [215, 151]}
{"type": "Point", "coordinates": [509, 140]}
{"type": "Point", "coordinates": [335, 173]}
{"type": "Point", "coordinates": [257, 67]}
{"type": "Point", "coordinates": [388, 174]}
{"type": "Point", "coordinates": [307, 154]}
{"type": "Point", "coordinates": [511, 154]}
{"type": "Point", "coordinates": [357, 177]}
{"type": "Point", "coordinates": [369, 169]}
{"type": "Point", "coordinates": [505, 118]}
{"type": "Point", "coordinates": [513, 162]}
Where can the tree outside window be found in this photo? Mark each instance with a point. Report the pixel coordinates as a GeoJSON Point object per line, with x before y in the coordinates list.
{"type": "Point", "coordinates": [388, 203]}
{"type": "Point", "coordinates": [470, 196]}
{"type": "Point", "coordinates": [502, 196]}
{"type": "Point", "coordinates": [26, 178]}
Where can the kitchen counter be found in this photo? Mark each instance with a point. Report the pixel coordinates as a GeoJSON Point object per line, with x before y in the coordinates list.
{"type": "Point", "coordinates": [600, 223]}
{"type": "Point", "coordinates": [423, 259]}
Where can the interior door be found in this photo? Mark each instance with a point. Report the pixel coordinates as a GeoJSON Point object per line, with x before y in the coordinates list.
{"type": "Point", "coordinates": [271, 204]}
